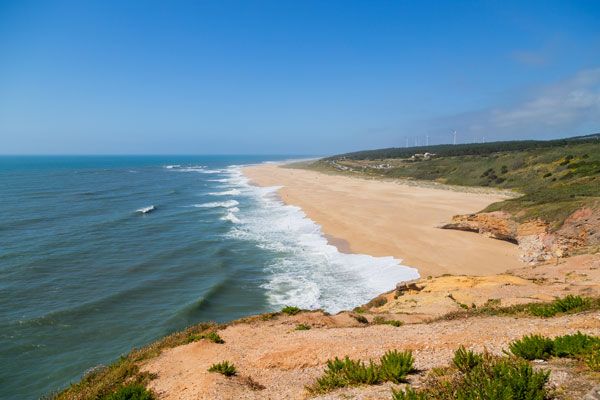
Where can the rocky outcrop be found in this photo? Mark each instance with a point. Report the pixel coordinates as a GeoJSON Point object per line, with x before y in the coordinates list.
{"type": "Point", "coordinates": [497, 225]}
{"type": "Point", "coordinates": [537, 241]}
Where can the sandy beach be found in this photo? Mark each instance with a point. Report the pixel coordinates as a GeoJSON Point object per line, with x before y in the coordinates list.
{"type": "Point", "coordinates": [383, 218]}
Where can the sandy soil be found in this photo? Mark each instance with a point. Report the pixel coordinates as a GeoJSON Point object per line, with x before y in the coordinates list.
{"type": "Point", "coordinates": [387, 218]}
{"type": "Point", "coordinates": [275, 361]}
{"type": "Point", "coordinates": [283, 361]}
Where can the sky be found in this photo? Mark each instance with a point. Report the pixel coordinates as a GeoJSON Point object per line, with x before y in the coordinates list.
{"type": "Point", "coordinates": [292, 77]}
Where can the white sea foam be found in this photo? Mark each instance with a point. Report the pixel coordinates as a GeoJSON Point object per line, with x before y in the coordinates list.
{"type": "Point", "coordinates": [232, 192]}
{"type": "Point", "coordinates": [231, 217]}
{"type": "Point", "coordinates": [222, 180]}
{"type": "Point", "coordinates": [215, 204]}
{"type": "Point", "coordinates": [146, 210]}
{"type": "Point", "coordinates": [305, 270]}
{"type": "Point", "coordinates": [194, 168]}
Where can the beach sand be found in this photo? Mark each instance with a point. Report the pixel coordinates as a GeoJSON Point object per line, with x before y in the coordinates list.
{"type": "Point", "coordinates": [384, 218]}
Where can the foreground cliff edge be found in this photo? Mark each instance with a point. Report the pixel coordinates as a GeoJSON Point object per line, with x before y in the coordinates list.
{"type": "Point", "coordinates": [281, 355]}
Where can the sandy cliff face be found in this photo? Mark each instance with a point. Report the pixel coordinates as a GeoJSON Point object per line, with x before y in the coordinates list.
{"type": "Point", "coordinates": [537, 241]}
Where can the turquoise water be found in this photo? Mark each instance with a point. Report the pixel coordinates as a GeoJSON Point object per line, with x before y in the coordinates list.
{"type": "Point", "coordinates": [85, 275]}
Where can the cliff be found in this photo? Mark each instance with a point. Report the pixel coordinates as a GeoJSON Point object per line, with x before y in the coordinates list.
{"type": "Point", "coordinates": [536, 238]}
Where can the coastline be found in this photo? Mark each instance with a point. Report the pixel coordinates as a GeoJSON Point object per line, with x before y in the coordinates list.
{"type": "Point", "coordinates": [390, 218]}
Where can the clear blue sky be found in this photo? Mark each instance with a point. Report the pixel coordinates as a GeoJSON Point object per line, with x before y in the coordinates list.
{"type": "Point", "coordinates": [302, 77]}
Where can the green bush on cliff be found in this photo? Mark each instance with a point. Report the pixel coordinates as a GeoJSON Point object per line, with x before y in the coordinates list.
{"type": "Point", "coordinates": [575, 345]}
{"type": "Point", "coordinates": [393, 366]}
{"type": "Point", "coordinates": [532, 347]}
{"type": "Point", "coordinates": [131, 392]}
{"type": "Point", "coordinates": [492, 378]}
{"type": "Point", "coordinates": [379, 320]}
{"type": "Point", "coordinates": [224, 368]}
{"type": "Point", "coordinates": [465, 360]}
{"type": "Point", "coordinates": [592, 359]}
{"type": "Point", "coordinates": [302, 327]}
{"type": "Point", "coordinates": [567, 304]}
{"type": "Point", "coordinates": [290, 310]}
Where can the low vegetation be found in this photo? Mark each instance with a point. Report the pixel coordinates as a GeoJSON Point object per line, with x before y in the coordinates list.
{"type": "Point", "coordinates": [210, 336]}
{"type": "Point", "coordinates": [533, 347]}
{"type": "Point", "coordinates": [302, 327]}
{"type": "Point", "coordinates": [131, 392]}
{"type": "Point", "coordinates": [536, 347]}
{"type": "Point", "coordinates": [103, 381]}
{"type": "Point", "coordinates": [393, 366]}
{"type": "Point", "coordinates": [480, 376]}
{"type": "Point", "coordinates": [555, 177]}
{"type": "Point", "coordinates": [379, 320]}
{"type": "Point", "coordinates": [465, 360]}
{"type": "Point", "coordinates": [567, 305]}
{"type": "Point", "coordinates": [290, 310]}
{"type": "Point", "coordinates": [224, 368]}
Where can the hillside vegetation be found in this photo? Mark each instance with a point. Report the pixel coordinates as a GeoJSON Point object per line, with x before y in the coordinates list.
{"type": "Point", "coordinates": [554, 177]}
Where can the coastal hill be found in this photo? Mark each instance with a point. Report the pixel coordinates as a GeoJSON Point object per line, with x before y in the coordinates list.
{"type": "Point", "coordinates": [556, 186]}
{"type": "Point", "coordinates": [508, 330]}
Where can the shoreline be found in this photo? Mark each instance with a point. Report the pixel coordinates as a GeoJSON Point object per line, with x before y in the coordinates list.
{"type": "Point", "coordinates": [391, 218]}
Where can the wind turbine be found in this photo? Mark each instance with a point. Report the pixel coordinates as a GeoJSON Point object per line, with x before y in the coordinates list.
{"type": "Point", "coordinates": [454, 136]}
{"type": "Point", "coordinates": [426, 140]}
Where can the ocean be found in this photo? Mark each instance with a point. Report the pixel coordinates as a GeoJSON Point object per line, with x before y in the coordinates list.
{"type": "Point", "coordinates": [100, 254]}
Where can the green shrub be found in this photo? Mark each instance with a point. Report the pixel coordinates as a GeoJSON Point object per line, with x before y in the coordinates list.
{"type": "Point", "coordinates": [575, 345]}
{"type": "Point", "coordinates": [493, 378]}
{"type": "Point", "coordinates": [130, 392]}
{"type": "Point", "coordinates": [393, 367]}
{"type": "Point", "coordinates": [543, 310]}
{"type": "Point", "coordinates": [408, 394]}
{"type": "Point", "coordinates": [302, 327]}
{"type": "Point", "coordinates": [465, 360]}
{"type": "Point", "coordinates": [567, 304]}
{"type": "Point", "coordinates": [503, 379]}
{"type": "Point", "coordinates": [290, 310]}
{"type": "Point", "coordinates": [346, 372]}
{"type": "Point", "coordinates": [214, 337]}
{"type": "Point", "coordinates": [592, 360]}
{"type": "Point", "coordinates": [396, 365]}
{"type": "Point", "coordinates": [211, 336]}
{"type": "Point", "coordinates": [224, 368]}
{"type": "Point", "coordinates": [570, 303]}
{"type": "Point", "coordinates": [379, 320]}
{"type": "Point", "coordinates": [533, 347]}
{"type": "Point", "coordinates": [359, 373]}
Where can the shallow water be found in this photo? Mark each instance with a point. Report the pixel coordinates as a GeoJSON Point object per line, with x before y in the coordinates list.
{"type": "Point", "coordinates": [85, 275]}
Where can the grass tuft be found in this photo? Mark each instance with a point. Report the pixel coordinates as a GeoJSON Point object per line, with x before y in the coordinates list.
{"type": "Point", "coordinates": [223, 368]}
{"type": "Point", "coordinates": [302, 327]}
{"type": "Point", "coordinates": [393, 366]}
{"type": "Point", "coordinates": [290, 310]}
{"type": "Point", "coordinates": [131, 392]}
{"type": "Point", "coordinates": [465, 360]}
{"type": "Point", "coordinates": [567, 305]}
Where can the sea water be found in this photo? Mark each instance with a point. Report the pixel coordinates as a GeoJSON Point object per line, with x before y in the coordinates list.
{"type": "Point", "coordinates": [102, 254]}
